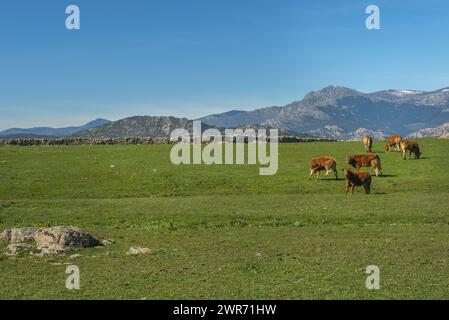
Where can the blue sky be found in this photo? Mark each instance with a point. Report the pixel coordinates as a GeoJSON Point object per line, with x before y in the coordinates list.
{"type": "Point", "coordinates": [197, 57]}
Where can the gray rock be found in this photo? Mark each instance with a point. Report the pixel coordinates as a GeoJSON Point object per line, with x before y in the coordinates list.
{"type": "Point", "coordinates": [48, 241]}
{"type": "Point", "coordinates": [22, 235]}
{"type": "Point", "coordinates": [14, 249]}
{"type": "Point", "coordinates": [51, 250]}
{"type": "Point", "coordinates": [107, 242]}
{"type": "Point", "coordinates": [57, 240]}
{"type": "Point", "coordinates": [138, 250]}
{"type": "Point", "coordinates": [18, 235]}
{"type": "Point", "coordinates": [5, 235]}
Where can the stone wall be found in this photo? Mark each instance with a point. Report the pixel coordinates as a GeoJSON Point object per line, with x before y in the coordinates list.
{"type": "Point", "coordinates": [126, 140]}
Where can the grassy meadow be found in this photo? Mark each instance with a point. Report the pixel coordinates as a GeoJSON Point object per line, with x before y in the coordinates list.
{"type": "Point", "coordinates": [224, 231]}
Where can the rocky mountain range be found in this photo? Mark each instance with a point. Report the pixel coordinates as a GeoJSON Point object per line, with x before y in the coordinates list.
{"type": "Point", "coordinates": [333, 113]}
{"type": "Point", "coordinates": [440, 131]}
{"type": "Point", "coordinates": [343, 113]}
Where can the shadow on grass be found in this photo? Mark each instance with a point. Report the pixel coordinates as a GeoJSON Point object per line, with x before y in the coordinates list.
{"type": "Point", "coordinates": [330, 179]}
{"type": "Point", "coordinates": [421, 158]}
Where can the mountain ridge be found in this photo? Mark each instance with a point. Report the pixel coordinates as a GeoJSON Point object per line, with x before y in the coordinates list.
{"type": "Point", "coordinates": [43, 132]}
{"type": "Point", "coordinates": [387, 111]}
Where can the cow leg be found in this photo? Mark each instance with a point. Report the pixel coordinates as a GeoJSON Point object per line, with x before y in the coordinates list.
{"type": "Point", "coordinates": [403, 154]}
{"type": "Point", "coordinates": [311, 173]}
{"type": "Point", "coordinates": [367, 188]}
{"type": "Point", "coordinates": [352, 188]}
{"type": "Point", "coordinates": [347, 187]}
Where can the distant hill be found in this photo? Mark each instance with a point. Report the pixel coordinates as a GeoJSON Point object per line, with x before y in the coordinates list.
{"type": "Point", "coordinates": [42, 132]}
{"type": "Point", "coordinates": [27, 136]}
{"type": "Point", "coordinates": [149, 126]}
{"type": "Point", "coordinates": [139, 126]}
{"type": "Point", "coordinates": [343, 113]}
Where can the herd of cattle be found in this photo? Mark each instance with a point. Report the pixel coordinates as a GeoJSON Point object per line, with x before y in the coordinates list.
{"type": "Point", "coordinates": [362, 178]}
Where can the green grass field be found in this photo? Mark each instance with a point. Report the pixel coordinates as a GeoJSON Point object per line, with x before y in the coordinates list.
{"type": "Point", "coordinates": [224, 232]}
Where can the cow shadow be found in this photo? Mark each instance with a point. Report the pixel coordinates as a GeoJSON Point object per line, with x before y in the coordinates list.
{"type": "Point", "coordinates": [328, 179]}
{"type": "Point", "coordinates": [413, 159]}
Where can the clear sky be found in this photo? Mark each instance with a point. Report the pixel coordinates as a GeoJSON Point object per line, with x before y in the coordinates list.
{"type": "Point", "coordinates": [196, 57]}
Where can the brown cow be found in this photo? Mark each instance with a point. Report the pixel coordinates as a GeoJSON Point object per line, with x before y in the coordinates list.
{"type": "Point", "coordinates": [368, 142]}
{"type": "Point", "coordinates": [323, 163]}
{"type": "Point", "coordinates": [365, 160]}
{"type": "Point", "coordinates": [393, 141]}
{"type": "Point", "coordinates": [357, 179]}
{"type": "Point", "coordinates": [410, 146]}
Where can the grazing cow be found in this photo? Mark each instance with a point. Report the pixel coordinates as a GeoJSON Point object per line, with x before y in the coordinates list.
{"type": "Point", "coordinates": [365, 160]}
{"type": "Point", "coordinates": [323, 163]}
{"type": "Point", "coordinates": [411, 146]}
{"type": "Point", "coordinates": [357, 179]}
{"type": "Point", "coordinates": [368, 142]}
{"type": "Point", "coordinates": [393, 141]}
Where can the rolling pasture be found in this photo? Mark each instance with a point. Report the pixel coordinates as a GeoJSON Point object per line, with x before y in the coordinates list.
{"type": "Point", "coordinates": [224, 231]}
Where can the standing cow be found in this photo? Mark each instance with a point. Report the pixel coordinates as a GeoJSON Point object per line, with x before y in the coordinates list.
{"type": "Point", "coordinates": [368, 143]}
{"type": "Point", "coordinates": [365, 160]}
{"type": "Point", "coordinates": [323, 163]}
{"type": "Point", "coordinates": [393, 141]}
{"type": "Point", "coordinates": [412, 147]}
{"type": "Point", "coordinates": [357, 179]}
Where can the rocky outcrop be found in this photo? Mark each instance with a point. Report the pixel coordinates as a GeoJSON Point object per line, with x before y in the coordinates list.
{"type": "Point", "coordinates": [14, 249]}
{"type": "Point", "coordinates": [440, 131]}
{"type": "Point", "coordinates": [47, 241]}
{"type": "Point", "coordinates": [5, 235]}
{"type": "Point", "coordinates": [22, 235]}
{"type": "Point", "coordinates": [57, 240]}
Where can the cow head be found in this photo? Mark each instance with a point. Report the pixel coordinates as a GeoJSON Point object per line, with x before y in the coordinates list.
{"type": "Point", "coordinates": [350, 160]}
